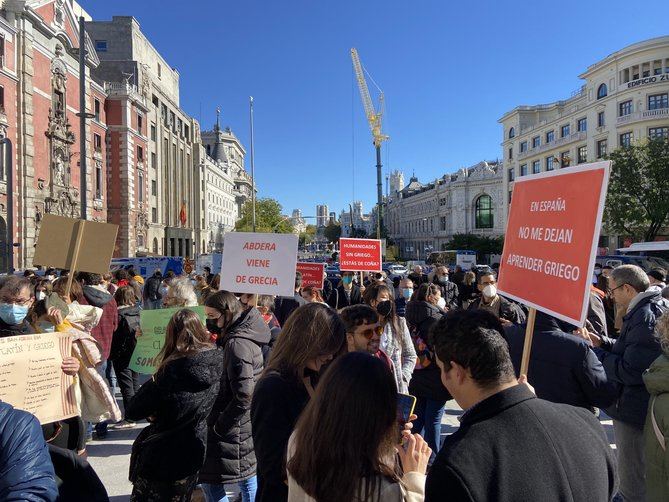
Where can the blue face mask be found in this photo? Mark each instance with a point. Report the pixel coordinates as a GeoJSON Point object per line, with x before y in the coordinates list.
{"type": "Point", "coordinates": [11, 313]}
{"type": "Point", "coordinates": [406, 293]}
{"type": "Point", "coordinates": [347, 280]}
{"type": "Point", "coordinates": [46, 327]}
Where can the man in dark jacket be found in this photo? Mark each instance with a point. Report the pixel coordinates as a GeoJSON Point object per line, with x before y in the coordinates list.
{"type": "Point", "coordinates": [152, 296]}
{"type": "Point", "coordinates": [16, 298]}
{"type": "Point", "coordinates": [418, 277]}
{"type": "Point", "coordinates": [625, 360]}
{"type": "Point", "coordinates": [27, 472]}
{"type": "Point", "coordinates": [506, 311]}
{"type": "Point", "coordinates": [563, 368]}
{"type": "Point", "coordinates": [449, 291]}
{"type": "Point", "coordinates": [510, 444]}
{"type": "Point", "coordinates": [346, 294]}
{"type": "Point", "coordinates": [285, 305]}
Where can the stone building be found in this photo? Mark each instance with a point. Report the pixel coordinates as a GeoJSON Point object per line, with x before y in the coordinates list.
{"type": "Point", "coordinates": [39, 103]}
{"type": "Point", "coordinates": [355, 218]}
{"type": "Point", "coordinates": [421, 218]}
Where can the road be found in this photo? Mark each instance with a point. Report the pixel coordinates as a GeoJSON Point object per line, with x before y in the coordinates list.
{"type": "Point", "coordinates": [111, 457]}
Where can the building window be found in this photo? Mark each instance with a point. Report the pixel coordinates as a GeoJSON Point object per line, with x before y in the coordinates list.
{"type": "Point", "coordinates": [155, 242]}
{"type": "Point", "coordinates": [442, 201]}
{"type": "Point", "coordinates": [564, 131]}
{"type": "Point", "coordinates": [101, 45]}
{"type": "Point", "coordinates": [483, 212]}
{"type": "Point", "coordinates": [549, 163]}
{"type": "Point", "coordinates": [582, 125]}
{"type": "Point", "coordinates": [582, 154]}
{"type": "Point", "coordinates": [154, 162]}
{"type": "Point", "coordinates": [600, 119]}
{"type": "Point", "coordinates": [140, 187]}
{"type": "Point", "coordinates": [601, 148]}
{"type": "Point", "coordinates": [160, 71]}
{"type": "Point", "coordinates": [98, 181]}
{"type": "Point", "coordinates": [536, 141]}
{"type": "Point", "coordinates": [2, 51]}
{"type": "Point", "coordinates": [523, 147]}
{"type": "Point", "coordinates": [96, 109]}
{"type": "Point", "coordinates": [602, 91]}
{"type": "Point", "coordinates": [550, 136]}
{"type": "Point", "coordinates": [510, 153]}
{"type": "Point", "coordinates": [187, 132]}
{"type": "Point", "coordinates": [523, 170]}
{"type": "Point", "coordinates": [512, 174]}
{"type": "Point", "coordinates": [97, 142]}
{"type": "Point", "coordinates": [154, 219]}
{"type": "Point", "coordinates": [140, 154]}
{"type": "Point", "coordinates": [625, 108]}
{"type": "Point", "coordinates": [536, 167]}
{"type": "Point", "coordinates": [140, 124]}
{"type": "Point", "coordinates": [657, 101]}
{"type": "Point", "coordinates": [2, 99]}
{"type": "Point", "coordinates": [154, 187]}
{"type": "Point", "coordinates": [658, 132]}
{"type": "Point", "coordinates": [565, 160]}
{"type": "Point", "coordinates": [510, 194]}
{"type": "Point", "coordinates": [153, 132]}
{"type": "Point", "coordinates": [626, 139]}
{"type": "Point", "coordinates": [512, 133]}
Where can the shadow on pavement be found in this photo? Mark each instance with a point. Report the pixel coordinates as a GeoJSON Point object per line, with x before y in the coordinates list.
{"type": "Point", "coordinates": [102, 449]}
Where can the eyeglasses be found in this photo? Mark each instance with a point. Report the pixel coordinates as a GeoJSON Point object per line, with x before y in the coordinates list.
{"type": "Point", "coordinates": [16, 301]}
{"type": "Point", "coordinates": [617, 287]}
{"type": "Point", "coordinates": [369, 332]}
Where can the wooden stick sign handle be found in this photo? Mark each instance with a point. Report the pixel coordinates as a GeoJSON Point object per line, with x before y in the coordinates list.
{"type": "Point", "coordinates": [527, 347]}
{"type": "Point", "coordinates": [75, 256]}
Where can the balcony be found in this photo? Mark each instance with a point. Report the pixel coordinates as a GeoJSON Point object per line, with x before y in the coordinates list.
{"type": "Point", "coordinates": [577, 136]}
{"type": "Point", "coordinates": [659, 113]}
{"type": "Point", "coordinates": [124, 89]}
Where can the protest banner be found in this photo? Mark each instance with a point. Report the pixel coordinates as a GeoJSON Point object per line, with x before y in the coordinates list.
{"type": "Point", "coordinates": [75, 245]}
{"type": "Point", "coordinates": [360, 255]}
{"type": "Point", "coordinates": [153, 324]}
{"type": "Point", "coordinates": [312, 274]}
{"type": "Point", "coordinates": [257, 263]}
{"type": "Point", "coordinates": [31, 377]}
{"type": "Point", "coordinates": [551, 241]}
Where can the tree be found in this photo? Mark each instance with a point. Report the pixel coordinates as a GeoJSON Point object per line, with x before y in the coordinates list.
{"type": "Point", "coordinates": [268, 217]}
{"type": "Point", "coordinates": [308, 235]}
{"type": "Point", "coordinates": [332, 232]}
{"type": "Point", "coordinates": [637, 202]}
{"type": "Point", "coordinates": [483, 245]}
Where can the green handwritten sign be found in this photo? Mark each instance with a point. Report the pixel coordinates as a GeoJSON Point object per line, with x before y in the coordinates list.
{"type": "Point", "coordinates": [153, 324]}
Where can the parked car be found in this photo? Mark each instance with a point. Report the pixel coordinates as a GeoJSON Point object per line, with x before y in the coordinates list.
{"type": "Point", "coordinates": [645, 262]}
{"type": "Point", "coordinates": [393, 270]}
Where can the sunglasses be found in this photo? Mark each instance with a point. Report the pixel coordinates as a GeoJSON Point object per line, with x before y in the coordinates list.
{"type": "Point", "coordinates": [370, 332]}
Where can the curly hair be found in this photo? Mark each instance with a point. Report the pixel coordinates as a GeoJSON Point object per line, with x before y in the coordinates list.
{"type": "Point", "coordinates": [662, 332]}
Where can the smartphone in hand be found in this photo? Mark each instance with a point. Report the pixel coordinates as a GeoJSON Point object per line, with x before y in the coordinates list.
{"type": "Point", "coordinates": [405, 407]}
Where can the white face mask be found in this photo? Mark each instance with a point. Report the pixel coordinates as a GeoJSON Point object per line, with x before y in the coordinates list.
{"type": "Point", "coordinates": [441, 303]}
{"type": "Point", "coordinates": [41, 295]}
{"type": "Point", "coordinates": [490, 291]}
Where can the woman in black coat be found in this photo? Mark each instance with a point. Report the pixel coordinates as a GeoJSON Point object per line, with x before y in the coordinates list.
{"type": "Point", "coordinates": [167, 455]}
{"type": "Point", "coordinates": [313, 334]}
{"type": "Point", "coordinates": [242, 334]}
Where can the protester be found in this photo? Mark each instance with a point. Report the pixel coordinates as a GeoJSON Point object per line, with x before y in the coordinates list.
{"type": "Point", "coordinates": [230, 455]}
{"type": "Point", "coordinates": [506, 311]}
{"type": "Point", "coordinates": [152, 295]}
{"type": "Point", "coordinates": [285, 305]}
{"type": "Point", "coordinates": [468, 290]}
{"type": "Point", "coordinates": [135, 276]}
{"type": "Point", "coordinates": [346, 293]}
{"type": "Point", "coordinates": [395, 339]}
{"type": "Point", "coordinates": [308, 341]}
{"type": "Point", "coordinates": [340, 452]}
{"type": "Point", "coordinates": [265, 306]}
{"type": "Point", "coordinates": [458, 276]}
{"type": "Point", "coordinates": [596, 315]}
{"type": "Point", "coordinates": [658, 279]}
{"type": "Point", "coordinates": [363, 332]}
{"type": "Point", "coordinates": [180, 293]}
{"type": "Point", "coordinates": [625, 360]}
{"type": "Point", "coordinates": [108, 283]}
{"type": "Point", "coordinates": [563, 368]}
{"type": "Point", "coordinates": [41, 289]}
{"type": "Point", "coordinates": [27, 472]}
{"type": "Point", "coordinates": [606, 271]}
{"type": "Point", "coordinates": [29, 273]}
{"type": "Point", "coordinates": [312, 295]}
{"type": "Point", "coordinates": [208, 276]}
{"type": "Point", "coordinates": [202, 289]}
{"type": "Point", "coordinates": [422, 312]}
{"type": "Point", "coordinates": [405, 292]}
{"type": "Point", "coordinates": [16, 297]}
{"type": "Point", "coordinates": [560, 452]}
{"type": "Point", "coordinates": [50, 274]}
{"type": "Point", "coordinates": [123, 345]}
{"type": "Point", "coordinates": [167, 455]}
{"type": "Point", "coordinates": [123, 278]}
{"type": "Point", "coordinates": [449, 291]}
{"type": "Point", "coordinates": [417, 276]}
{"type": "Point", "coordinates": [75, 477]}
{"type": "Point", "coordinates": [596, 273]}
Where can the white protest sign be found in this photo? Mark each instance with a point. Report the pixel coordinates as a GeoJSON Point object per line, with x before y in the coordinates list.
{"type": "Point", "coordinates": [259, 263]}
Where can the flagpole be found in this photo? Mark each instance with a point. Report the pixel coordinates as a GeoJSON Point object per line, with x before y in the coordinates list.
{"type": "Point", "coordinates": [253, 173]}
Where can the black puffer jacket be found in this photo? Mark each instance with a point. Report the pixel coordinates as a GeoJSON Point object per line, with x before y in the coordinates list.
{"type": "Point", "coordinates": [180, 398]}
{"type": "Point", "coordinates": [124, 340]}
{"type": "Point", "coordinates": [426, 379]}
{"type": "Point", "coordinates": [230, 454]}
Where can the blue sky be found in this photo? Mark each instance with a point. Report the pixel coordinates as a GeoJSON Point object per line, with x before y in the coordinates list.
{"type": "Point", "coordinates": [449, 71]}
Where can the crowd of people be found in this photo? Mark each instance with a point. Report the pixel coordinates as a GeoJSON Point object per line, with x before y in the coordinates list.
{"type": "Point", "coordinates": [296, 398]}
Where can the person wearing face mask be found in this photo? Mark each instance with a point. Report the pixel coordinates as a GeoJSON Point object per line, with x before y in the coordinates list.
{"type": "Point", "coordinates": [421, 314]}
{"type": "Point", "coordinates": [313, 335]}
{"type": "Point", "coordinates": [449, 291]}
{"type": "Point", "coordinates": [596, 273]}
{"type": "Point", "coordinates": [241, 335]}
{"type": "Point", "coordinates": [404, 294]}
{"type": "Point", "coordinates": [507, 312]}
{"type": "Point", "coordinates": [16, 297]}
{"type": "Point", "coordinates": [42, 289]}
{"type": "Point", "coordinates": [346, 294]}
{"type": "Point", "coordinates": [395, 340]}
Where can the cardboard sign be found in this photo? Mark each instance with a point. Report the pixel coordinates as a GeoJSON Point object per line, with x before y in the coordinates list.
{"type": "Point", "coordinates": [31, 378]}
{"type": "Point", "coordinates": [259, 263]}
{"type": "Point", "coordinates": [551, 239]}
{"type": "Point", "coordinates": [71, 244]}
{"type": "Point", "coordinates": [312, 274]}
{"type": "Point", "coordinates": [360, 255]}
{"type": "Point", "coordinates": [153, 324]}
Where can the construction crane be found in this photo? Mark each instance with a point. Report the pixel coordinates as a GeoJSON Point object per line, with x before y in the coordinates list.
{"type": "Point", "coordinates": [374, 119]}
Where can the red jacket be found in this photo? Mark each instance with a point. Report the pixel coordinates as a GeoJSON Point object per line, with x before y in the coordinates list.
{"type": "Point", "coordinates": [104, 331]}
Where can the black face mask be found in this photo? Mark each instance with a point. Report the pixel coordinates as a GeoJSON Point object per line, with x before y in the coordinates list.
{"type": "Point", "coordinates": [384, 308]}
{"type": "Point", "coordinates": [212, 326]}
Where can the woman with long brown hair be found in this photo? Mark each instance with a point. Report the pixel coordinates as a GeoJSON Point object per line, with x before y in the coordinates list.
{"type": "Point", "coordinates": [395, 340]}
{"type": "Point", "coordinates": [346, 442]}
{"type": "Point", "coordinates": [311, 337]}
{"type": "Point", "coordinates": [168, 454]}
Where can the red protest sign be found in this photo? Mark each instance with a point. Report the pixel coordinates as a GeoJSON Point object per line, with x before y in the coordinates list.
{"type": "Point", "coordinates": [360, 255]}
{"type": "Point", "coordinates": [551, 239]}
{"type": "Point", "coordinates": [312, 274]}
